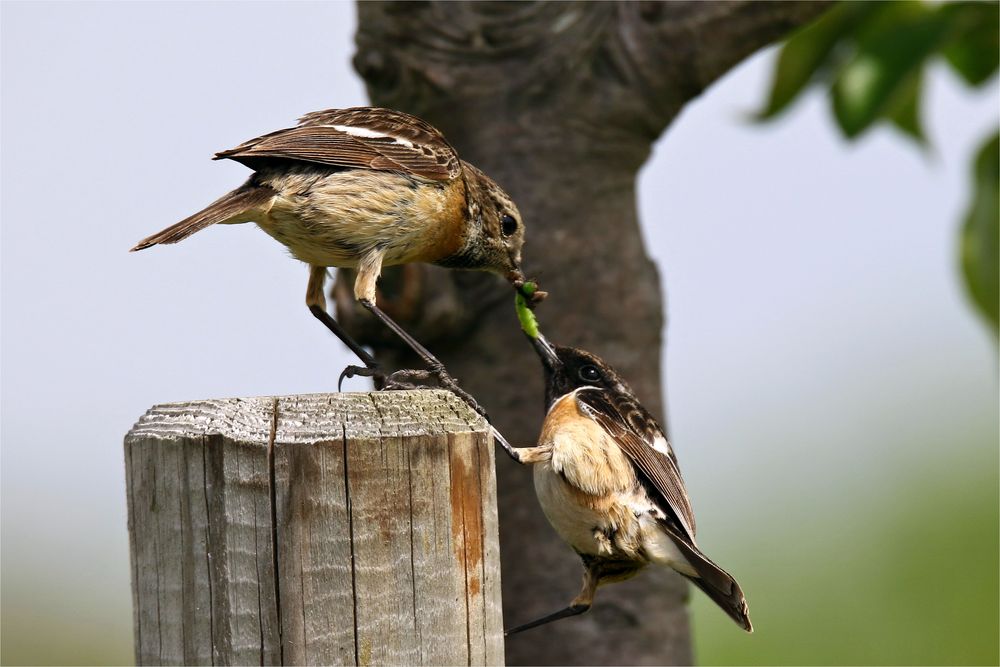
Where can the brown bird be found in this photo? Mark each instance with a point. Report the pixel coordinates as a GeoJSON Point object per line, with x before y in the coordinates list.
{"type": "Point", "coordinates": [364, 188]}
{"type": "Point", "coordinates": [608, 482]}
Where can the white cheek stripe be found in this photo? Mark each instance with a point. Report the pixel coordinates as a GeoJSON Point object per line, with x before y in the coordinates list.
{"type": "Point", "coordinates": [364, 132]}
{"type": "Point", "coordinates": [565, 397]}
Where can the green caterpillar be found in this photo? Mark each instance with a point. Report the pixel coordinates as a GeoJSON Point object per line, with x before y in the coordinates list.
{"type": "Point", "coordinates": [527, 318]}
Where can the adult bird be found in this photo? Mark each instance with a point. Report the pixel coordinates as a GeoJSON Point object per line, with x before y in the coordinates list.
{"type": "Point", "coordinates": [364, 188]}
{"type": "Point", "coordinates": [609, 483]}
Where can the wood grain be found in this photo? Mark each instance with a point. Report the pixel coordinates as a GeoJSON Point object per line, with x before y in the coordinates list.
{"type": "Point", "coordinates": [319, 529]}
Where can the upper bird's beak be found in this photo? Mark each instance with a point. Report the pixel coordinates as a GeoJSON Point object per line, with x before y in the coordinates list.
{"type": "Point", "coordinates": [515, 277]}
{"type": "Point", "coordinates": [514, 274]}
{"type": "Point", "coordinates": [546, 352]}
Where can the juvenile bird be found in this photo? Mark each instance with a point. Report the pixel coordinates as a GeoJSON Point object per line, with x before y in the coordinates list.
{"type": "Point", "coordinates": [365, 188]}
{"type": "Point", "coordinates": [608, 482]}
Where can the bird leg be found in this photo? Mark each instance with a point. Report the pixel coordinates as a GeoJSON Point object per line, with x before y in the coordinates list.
{"type": "Point", "coordinates": [435, 367]}
{"type": "Point", "coordinates": [580, 604]}
{"type": "Point", "coordinates": [598, 571]}
{"type": "Point", "coordinates": [398, 379]}
{"type": "Point", "coordinates": [364, 291]}
{"type": "Point", "coordinates": [316, 302]}
{"type": "Point", "coordinates": [526, 455]}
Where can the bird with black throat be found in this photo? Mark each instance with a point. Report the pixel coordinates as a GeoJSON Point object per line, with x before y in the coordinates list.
{"type": "Point", "coordinates": [365, 188]}
{"type": "Point", "coordinates": [608, 481]}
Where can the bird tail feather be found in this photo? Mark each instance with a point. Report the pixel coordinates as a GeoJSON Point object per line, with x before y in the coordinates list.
{"type": "Point", "coordinates": [227, 208]}
{"type": "Point", "coordinates": [717, 584]}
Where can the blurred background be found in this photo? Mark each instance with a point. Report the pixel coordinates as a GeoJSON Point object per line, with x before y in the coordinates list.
{"type": "Point", "coordinates": [819, 334]}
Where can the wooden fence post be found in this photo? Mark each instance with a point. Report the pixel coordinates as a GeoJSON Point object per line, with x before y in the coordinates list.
{"type": "Point", "coordinates": [319, 529]}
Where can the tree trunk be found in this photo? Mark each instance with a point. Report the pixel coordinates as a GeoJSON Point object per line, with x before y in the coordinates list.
{"type": "Point", "coordinates": [560, 103]}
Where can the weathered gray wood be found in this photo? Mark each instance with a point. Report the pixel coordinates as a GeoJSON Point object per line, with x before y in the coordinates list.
{"type": "Point", "coordinates": [314, 543]}
{"type": "Point", "coordinates": [319, 529]}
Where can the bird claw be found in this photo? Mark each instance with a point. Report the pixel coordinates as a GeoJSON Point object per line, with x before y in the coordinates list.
{"type": "Point", "coordinates": [401, 379]}
{"type": "Point", "coordinates": [373, 372]}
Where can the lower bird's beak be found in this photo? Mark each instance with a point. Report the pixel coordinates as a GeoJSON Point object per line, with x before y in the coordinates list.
{"type": "Point", "coordinates": [514, 273]}
{"type": "Point", "coordinates": [546, 352]}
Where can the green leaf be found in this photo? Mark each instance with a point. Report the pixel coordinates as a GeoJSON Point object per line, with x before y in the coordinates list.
{"type": "Point", "coordinates": [892, 48]}
{"type": "Point", "coordinates": [808, 51]}
{"type": "Point", "coordinates": [981, 233]}
{"type": "Point", "coordinates": [973, 50]}
{"type": "Point", "coordinates": [904, 112]}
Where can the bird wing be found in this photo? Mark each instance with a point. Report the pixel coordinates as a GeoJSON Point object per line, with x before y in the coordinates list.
{"type": "Point", "coordinates": [638, 435]}
{"type": "Point", "coordinates": [635, 430]}
{"type": "Point", "coordinates": [359, 137]}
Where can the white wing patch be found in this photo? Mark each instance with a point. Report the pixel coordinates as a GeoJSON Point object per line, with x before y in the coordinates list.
{"type": "Point", "coordinates": [677, 500]}
{"type": "Point", "coordinates": [661, 445]}
{"type": "Point", "coordinates": [365, 133]}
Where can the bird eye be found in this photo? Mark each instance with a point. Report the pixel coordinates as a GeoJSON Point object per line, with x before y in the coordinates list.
{"type": "Point", "coordinates": [590, 374]}
{"type": "Point", "coordinates": [508, 225]}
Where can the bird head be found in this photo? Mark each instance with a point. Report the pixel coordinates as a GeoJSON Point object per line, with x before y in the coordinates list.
{"type": "Point", "coordinates": [498, 232]}
{"type": "Point", "coordinates": [569, 368]}
{"type": "Point", "coordinates": [566, 368]}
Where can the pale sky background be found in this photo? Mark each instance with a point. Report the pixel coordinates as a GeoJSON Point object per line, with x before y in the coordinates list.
{"type": "Point", "coordinates": [816, 320]}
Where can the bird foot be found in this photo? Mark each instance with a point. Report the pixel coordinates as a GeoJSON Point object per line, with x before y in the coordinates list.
{"type": "Point", "coordinates": [373, 372]}
{"type": "Point", "coordinates": [403, 379]}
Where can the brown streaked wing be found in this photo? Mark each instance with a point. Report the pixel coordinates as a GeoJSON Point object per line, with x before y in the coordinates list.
{"type": "Point", "coordinates": [387, 141]}
{"type": "Point", "coordinates": [394, 124]}
{"type": "Point", "coordinates": [634, 430]}
{"type": "Point", "coordinates": [383, 121]}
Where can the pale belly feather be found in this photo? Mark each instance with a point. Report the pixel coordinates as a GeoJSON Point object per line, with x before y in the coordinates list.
{"type": "Point", "coordinates": [578, 524]}
{"type": "Point", "coordinates": [334, 219]}
{"type": "Point", "coordinates": [590, 494]}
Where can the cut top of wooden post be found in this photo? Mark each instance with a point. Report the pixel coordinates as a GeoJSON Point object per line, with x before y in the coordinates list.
{"type": "Point", "coordinates": [315, 529]}
{"type": "Point", "coordinates": [310, 418]}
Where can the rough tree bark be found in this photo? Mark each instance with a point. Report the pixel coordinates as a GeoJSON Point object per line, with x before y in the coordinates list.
{"type": "Point", "coordinates": [560, 103]}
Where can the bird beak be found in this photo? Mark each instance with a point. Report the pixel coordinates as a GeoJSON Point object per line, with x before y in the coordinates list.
{"type": "Point", "coordinates": [514, 273]}
{"type": "Point", "coordinates": [546, 352]}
